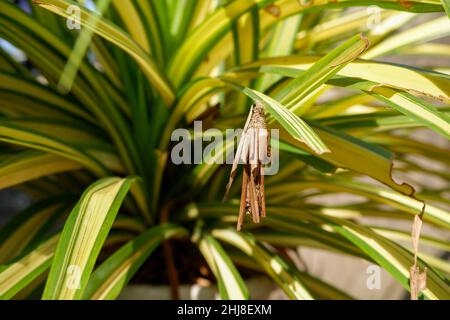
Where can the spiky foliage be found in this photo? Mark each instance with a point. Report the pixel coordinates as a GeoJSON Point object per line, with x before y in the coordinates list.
{"type": "Point", "coordinates": [154, 66]}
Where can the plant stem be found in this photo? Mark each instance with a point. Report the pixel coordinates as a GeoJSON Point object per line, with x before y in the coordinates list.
{"type": "Point", "coordinates": [172, 272]}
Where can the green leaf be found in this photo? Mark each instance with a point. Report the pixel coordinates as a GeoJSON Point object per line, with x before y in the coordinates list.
{"type": "Point", "coordinates": [23, 229]}
{"type": "Point", "coordinates": [114, 273]}
{"type": "Point", "coordinates": [246, 36]}
{"type": "Point", "coordinates": [410, 79]}
{"type": "Point", "coordinates": [387, 254]}
{"type": "Point", "coordinates": [204, 37]}
{"type": "Point", "coordinates": [415, 108]}
{"type": "Point", "coordinates": [400, 235]}
{"type": "Point", "coordinates": [433, 214]}
{"type": "Point", "coordinates": [287, 225]}
{"type": "Point", "coordinates": [82, 237]}
{"type": "Point", "coordinates": [315, 162]}
{"type": "Point", "coordinates": [339, 27]}
{"type": "Point", "coordinates": [30, 165]}
{"type": "Point", "coordinates": [29, 138]}
{"type": "Point", "coordinates": [296, 127]}
{"type": "Point", "coordinates": [80, 48]}
{"type": "Point", "coordinates": [396, 260]}
{"type": "Point", "coordinates": [283, 274]}
{"type": "Point", "coordinates": [434, 29]}
{"type": "Point", "coordinates": [355, 154]}
{"type": "Point", "coordinates": [129, 13]}
{"type": "Point", "coordinates": [320, 289]}
{"type": "Point", "coordinates": [294, 94]}
{"type": "Point", "coordinates": [112, 33]}
{"type": "Point", "coordinates": [281, 43]}
{"type": "Point", "coordinates": [231, 285]}
{"type": "Point", "coordinates": [17, 275]}
{"type": "Point", "coordinates": [45, 49]}
{"type": "Point", "coordinates": [446, 4]}
{"type": "Point", "coordinates": [33, 91]}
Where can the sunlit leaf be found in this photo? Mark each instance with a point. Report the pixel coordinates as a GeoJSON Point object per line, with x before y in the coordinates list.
{"type": "Point", "coordinates": [82, 237]}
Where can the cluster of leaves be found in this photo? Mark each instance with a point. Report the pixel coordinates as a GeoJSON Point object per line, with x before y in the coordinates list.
{"type": "Point", "coordinates": [78, 139]}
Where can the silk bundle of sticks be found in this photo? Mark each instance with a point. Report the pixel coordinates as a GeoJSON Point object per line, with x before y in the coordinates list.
{"type": "Point", "coordinates": [253, 152]}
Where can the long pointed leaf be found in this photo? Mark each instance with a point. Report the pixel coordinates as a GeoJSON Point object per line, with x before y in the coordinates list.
{"type": "Point", "coordinates": [298, 128]}
{"type": "Point", "coordinates": [231, 285]}
{"type": "Point", "coordinates": [82, 238]}
{"type": "Point", "coordinates": [112, 275]}
{"type": "Point", "coordinates": [16, 276]}
{"type": "Point", "coordinates": [273, 264]}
